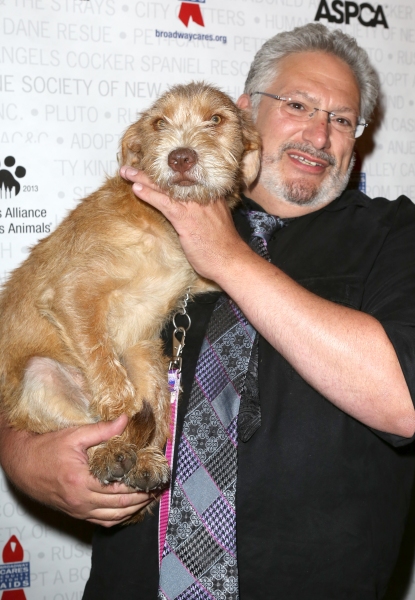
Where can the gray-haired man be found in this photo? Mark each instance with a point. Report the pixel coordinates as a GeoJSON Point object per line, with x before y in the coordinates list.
{"type": "Point", "coordinates": [323, 484]}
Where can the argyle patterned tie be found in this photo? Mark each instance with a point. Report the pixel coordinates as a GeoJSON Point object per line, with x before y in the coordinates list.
{"type": "Point", "coordinates": [199, 556]}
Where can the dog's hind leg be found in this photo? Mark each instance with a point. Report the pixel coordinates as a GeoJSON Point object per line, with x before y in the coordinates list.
{"type": "Point", "coordinates": [79, 316]}
{"type": "Point", "coordinates": [52, 396]}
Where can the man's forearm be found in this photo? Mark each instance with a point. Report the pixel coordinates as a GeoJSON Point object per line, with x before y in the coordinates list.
{"type": "Point", "coordinates": [343, 353]}
{"type": "Point", "coordinates": [13, 450]}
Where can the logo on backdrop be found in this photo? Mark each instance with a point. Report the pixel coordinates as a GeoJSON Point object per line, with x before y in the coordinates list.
{"type": "Point", "coordinates": [14, 573]}
{"type": "Point", "coordinates": [344, 12]}
{"type": "Point", "coordinates": [9, 186]}
{"type": "Point", "coordinates": [11, 215]}
{"type": "Point", "coordinates": [191, 11]}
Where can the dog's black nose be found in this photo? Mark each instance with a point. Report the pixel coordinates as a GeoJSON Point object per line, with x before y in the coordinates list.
{"type": "Point", "coordinates": [182, 159]}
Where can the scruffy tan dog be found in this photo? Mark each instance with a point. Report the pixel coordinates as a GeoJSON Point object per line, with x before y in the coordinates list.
{"type": "Point", "coordinates": [81, 318]}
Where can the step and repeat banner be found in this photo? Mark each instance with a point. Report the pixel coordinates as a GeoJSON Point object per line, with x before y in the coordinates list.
{"type": "Point", "coordinates": [73, 75]}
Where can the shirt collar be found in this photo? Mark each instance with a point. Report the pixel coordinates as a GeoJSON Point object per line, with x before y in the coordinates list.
{"type": "Point", "coordinates": [343, 201]}
{"type": "Point", "coordinates": [250, 204]}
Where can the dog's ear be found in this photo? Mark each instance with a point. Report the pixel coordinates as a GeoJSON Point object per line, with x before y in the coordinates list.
{"type": "Point", "coordinates": [251, 158]}
{"type": "Point", "coordinates": [131, 146]}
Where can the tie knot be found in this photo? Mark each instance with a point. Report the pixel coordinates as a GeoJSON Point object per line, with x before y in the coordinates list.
{"type": "Point", "coordinates": [262, 224]}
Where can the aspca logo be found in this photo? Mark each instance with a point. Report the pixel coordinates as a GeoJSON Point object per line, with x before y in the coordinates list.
{"type": "Point", "coordinates": [343, 12]}
{"type": "Point", "coordinates": [191, 11]}
{"type": "Point", "coordinates": [14, 573]}
{"type": "Point", "coordinates": [9, 186]}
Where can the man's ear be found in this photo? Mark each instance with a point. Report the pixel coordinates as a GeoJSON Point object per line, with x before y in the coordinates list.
{"type": "Point", "coordinates": [244, 102]}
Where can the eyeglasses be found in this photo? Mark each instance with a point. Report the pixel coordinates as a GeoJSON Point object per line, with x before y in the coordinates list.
{"type": "Point", "coordinates": [298, 110]}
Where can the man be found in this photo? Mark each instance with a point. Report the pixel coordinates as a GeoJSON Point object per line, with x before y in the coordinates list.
{"type": "Point", "coordinates": [323, 484]}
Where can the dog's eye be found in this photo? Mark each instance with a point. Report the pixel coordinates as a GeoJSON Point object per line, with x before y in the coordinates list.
{"type": "Point", "coordinates": [160, 124]}
{"type": "Point", "coordinates": [216, 119]}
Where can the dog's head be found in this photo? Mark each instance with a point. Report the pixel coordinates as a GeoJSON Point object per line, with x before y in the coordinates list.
{"type": "Point", "coordinates": [195, 144]}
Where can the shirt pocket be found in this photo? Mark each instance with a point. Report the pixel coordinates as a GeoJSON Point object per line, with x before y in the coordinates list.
{"type": "Point", "coordinates": [342, 289]}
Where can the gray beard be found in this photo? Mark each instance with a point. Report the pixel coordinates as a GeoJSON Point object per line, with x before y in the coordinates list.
{"type": "Point", "coordinates": [301, 192]}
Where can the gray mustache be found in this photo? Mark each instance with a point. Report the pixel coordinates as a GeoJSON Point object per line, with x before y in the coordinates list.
{"type": "Point", "coordinates": [309, 150]}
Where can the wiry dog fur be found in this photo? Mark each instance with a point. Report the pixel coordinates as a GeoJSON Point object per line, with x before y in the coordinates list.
{"type": "Point", "coordinates": [81, 317]}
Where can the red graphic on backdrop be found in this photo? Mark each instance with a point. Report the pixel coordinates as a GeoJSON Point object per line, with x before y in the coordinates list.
{"type": "Point", "coordinates": [12, 553]}
{"type": "Point", "coordinates": [190, 11]}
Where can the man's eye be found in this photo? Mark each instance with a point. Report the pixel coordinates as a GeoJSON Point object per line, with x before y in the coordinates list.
{"type": "Point", "coordinates": [296, 105]}
{"type": "Point", "coordinates": [343, 122]}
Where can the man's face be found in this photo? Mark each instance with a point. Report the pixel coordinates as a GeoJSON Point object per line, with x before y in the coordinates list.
{"type": "Point", "coordinates": [307, 163]}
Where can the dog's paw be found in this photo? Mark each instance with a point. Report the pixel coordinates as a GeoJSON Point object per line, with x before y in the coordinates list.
{"type": "Point", "coordinates": [151, 471]}
{"type": "Point", "coordinates": [112, 461]}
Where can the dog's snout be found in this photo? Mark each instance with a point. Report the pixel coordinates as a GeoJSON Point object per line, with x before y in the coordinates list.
{"type": "Point", "coordinates": [182, 159]}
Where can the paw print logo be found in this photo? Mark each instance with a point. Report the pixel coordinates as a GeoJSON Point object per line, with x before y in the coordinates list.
{"type": "Point", "coordinates": [9, 186]}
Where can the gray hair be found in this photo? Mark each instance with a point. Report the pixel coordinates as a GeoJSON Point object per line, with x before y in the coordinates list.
{"type": "Point", "coordinates": [314, 37]}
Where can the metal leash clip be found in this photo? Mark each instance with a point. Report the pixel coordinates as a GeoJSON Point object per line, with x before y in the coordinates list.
{"type": "Point", "coordinates": [178, 345]}
{"type": "Point", "coordinates": [179, 336]}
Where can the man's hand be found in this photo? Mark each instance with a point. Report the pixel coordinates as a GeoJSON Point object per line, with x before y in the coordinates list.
{"type": "Point", "coordinates": [53, 469]}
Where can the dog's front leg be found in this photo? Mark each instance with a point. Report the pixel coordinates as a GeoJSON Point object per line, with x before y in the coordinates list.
{"type": "Point", "coordinates": [136, 457]}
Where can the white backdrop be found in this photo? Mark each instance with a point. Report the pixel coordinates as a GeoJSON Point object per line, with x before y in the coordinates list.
{"type": "Point", "coordinates": [73, 75]}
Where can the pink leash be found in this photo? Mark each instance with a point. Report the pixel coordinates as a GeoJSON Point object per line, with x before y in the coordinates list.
{"type": "Point", "coordinates": [165, 500]}
{"type": "Point", "coordinates": [174, 378]}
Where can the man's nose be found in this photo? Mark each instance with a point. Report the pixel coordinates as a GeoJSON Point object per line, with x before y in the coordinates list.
{"type": "Point", "coordinates": [317, 130]}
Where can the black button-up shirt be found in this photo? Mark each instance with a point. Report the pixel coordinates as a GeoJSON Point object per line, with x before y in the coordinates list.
{"type": "Point", "coordinates": [321, 498]}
